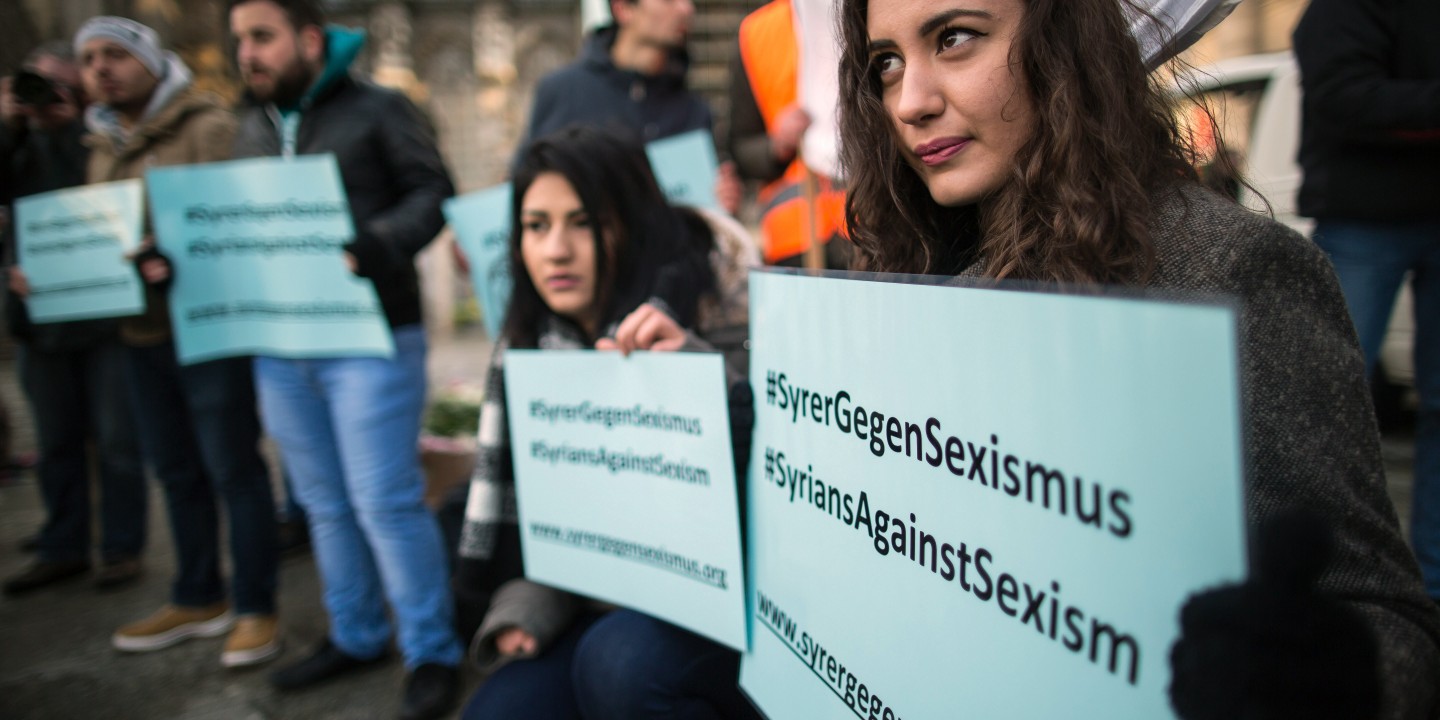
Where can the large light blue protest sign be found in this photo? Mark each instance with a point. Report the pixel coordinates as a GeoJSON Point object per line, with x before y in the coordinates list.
{"type": "Point", "coordinates": [256, 248]}
{"type": "Point", "coordinates": [626, 484]}
{"type": "Point", "coordinates": [982, 503]}
{"type": "Point", "coordinates": [73, 247]}
{"type": "Point", "coordinates": [481, 221]}
{"type": "Point", "coordinates": [685, 167]}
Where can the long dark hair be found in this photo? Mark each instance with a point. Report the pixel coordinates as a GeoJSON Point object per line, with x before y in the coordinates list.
{"type": "Point", "coordinates": [639, 238]}
{"type": "Point", "coordinates": [1079, 199]}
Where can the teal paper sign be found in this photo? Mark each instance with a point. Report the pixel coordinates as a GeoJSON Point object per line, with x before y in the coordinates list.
{"type": "Point", "coordinates": [481, 221]}
{"type": "Point", "coordinates": [626, 484]}
{"type": "Point", "coordinates": [73, 247]}
{"type": "Point", "coordinates": [982, 503]}
{"type": "Point", "coordinates": [685, 167]}
{"type": "Point", "coordinates": [256, 247]}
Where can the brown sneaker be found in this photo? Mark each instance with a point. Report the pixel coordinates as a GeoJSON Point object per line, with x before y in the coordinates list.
{"type": "Point", "coordinates": [255, 639]}
{"type": "Point", "coordinates": [172, 624]}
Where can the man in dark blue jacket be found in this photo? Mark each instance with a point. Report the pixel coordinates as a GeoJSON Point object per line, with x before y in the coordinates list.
{"type": "Point", "coordinates": [1370, 148]}
{"type": "Point", "coordinates": [348, 427]}
{"type": "Point", "coordinates": [71, 371]}
{"type": "Point", "coordinates": [629, 78]}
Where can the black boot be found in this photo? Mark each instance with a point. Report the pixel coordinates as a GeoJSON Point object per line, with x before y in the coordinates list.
{"type": "Point", "coordinates": [429, 692]}
{"type": "Point", "coordinates": [44, 572]}
{"type": "Point", "coordinates": [327, 662]}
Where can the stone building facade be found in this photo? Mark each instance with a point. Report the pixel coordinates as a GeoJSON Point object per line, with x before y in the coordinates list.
{"type": "Point", "coordinates": [472, 65]}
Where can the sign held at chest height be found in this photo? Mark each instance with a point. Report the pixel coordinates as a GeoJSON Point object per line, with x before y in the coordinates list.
{"type": "Point", "coordinates": [1011, 489]}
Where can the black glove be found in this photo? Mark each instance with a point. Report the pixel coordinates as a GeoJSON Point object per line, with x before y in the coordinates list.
{"type": "Point", "coordinates": [1275, 646]}
{"type": "Point", "coordinates": [373, 258]}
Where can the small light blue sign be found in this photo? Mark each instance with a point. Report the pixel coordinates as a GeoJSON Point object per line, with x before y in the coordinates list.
{"type": "Point", "coordinates": [481, 221]}
{"type": "Point", "coordinates": [626, 484]}
{"type": "Point", "coordinates": [982, 503]}
{"type": "Point", "coordinates": [685, 166]}
{"type": "Point", "coordinates": [73, 247]}
{"type": "Point", "coordinates": [257, 250]}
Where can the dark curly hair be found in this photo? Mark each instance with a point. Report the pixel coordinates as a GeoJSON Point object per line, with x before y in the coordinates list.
{"type": "Point", "coordinates": [1079, 197]}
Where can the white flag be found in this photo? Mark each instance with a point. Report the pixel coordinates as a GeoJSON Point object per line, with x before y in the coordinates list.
{"type": "Point", "coordinates": [1175, 25]}
{"type": "Point", "coordinates": [819, 91]}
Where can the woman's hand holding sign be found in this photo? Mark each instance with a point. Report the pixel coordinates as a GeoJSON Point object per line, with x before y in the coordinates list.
{"type": "Point", "coordinates": [648, 328]}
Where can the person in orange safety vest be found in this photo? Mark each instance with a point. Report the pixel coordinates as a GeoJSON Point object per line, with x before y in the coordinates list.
{"type": "Point", "coordinates": [765, 131]}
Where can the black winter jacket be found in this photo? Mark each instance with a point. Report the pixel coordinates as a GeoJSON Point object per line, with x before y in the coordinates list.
{"type": "Point", "coordinates": [34, 162]}
{"type": "Point", "coordinates": [593, 91]}
{"type": "Point", "coordinates": [392, 173]}
{"type": "Point", "coordinates": [1370, 138]}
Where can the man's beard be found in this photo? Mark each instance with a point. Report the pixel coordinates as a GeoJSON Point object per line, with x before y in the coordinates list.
{"type": "Point", "coordinates": [290, 86]}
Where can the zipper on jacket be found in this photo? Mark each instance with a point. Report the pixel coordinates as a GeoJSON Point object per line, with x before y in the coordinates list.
{"type": "Point", "coordinates": [287, 127]}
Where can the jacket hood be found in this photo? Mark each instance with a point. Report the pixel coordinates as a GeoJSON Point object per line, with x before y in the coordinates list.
{"type": "Point", "coordinates": [342, 46]}
{"type": "Point", "coordinates": [597, 52]}
{"type": "Point", "coordinates": [104, 120]}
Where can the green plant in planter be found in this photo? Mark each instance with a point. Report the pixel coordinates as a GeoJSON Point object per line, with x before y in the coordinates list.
{"type": "Point", "coordinates": [451, 417]}
{"type": "Point", "coordinates": [454, 412]}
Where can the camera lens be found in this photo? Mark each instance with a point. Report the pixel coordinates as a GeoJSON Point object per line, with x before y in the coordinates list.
{"type": "Point", "coordinates": [34, 89]}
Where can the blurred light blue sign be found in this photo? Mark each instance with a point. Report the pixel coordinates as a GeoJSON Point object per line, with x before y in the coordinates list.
{"type": "Point", "coordinates": [481, 221]}
{"type": "Point", "coordinates": [982, 503]}
{"type": "Point", "coordinates": [626, 483]}
{"type": "Point", "coordinates": [256, 248]}
{"type": "Point", "coordinates": [73, 246]}
{"type": "Point", "coordinates": [685, 167]}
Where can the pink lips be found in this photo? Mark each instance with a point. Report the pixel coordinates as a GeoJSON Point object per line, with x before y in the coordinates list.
{"type": "Point", "coordinates": [938, 151]}
{"type": "Point", "coordinates": [562, 282]}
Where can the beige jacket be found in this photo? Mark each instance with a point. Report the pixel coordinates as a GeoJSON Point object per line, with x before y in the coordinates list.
{"type": "Point", "coordinates": [192, 128]}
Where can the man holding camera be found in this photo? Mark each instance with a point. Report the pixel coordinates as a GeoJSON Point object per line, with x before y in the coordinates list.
{"type": "Point", "coordinates": [71, 372]}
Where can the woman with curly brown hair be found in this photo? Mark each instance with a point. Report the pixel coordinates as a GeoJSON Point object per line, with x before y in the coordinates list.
{"type": "Point", "coordinates": [1026, 140]}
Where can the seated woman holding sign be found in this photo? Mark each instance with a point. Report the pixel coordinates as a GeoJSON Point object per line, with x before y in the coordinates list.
{"type": "Point", "coordinates": [598, 258]}
{"type": "Point", "coordinates": [1024, 139]}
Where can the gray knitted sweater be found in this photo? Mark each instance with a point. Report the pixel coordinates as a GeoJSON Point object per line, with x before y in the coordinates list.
{"type": "Point", "coordinates": [1310, 437]}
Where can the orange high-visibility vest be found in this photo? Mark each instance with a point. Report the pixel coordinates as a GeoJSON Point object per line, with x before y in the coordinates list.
{"type": "Point", "coordinates": [770, 54]}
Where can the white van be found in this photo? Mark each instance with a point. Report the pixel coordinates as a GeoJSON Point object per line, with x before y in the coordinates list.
{"type": "Point", "coordinates": [1256, 103]}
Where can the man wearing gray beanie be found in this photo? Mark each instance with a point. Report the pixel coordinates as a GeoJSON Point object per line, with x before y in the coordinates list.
{"type": "Point", "coordinates": [138, 40]}
{"type": "Point", "coordinates": [198, 426]}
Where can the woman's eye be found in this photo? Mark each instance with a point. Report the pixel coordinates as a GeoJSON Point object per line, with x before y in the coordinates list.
{"type": "Point", "coordinates": [954, 37]}
{"type": "Point", "coordinates": [887, 63]}
{"type": "Point", "coordinates": [533, 226]}
{"type": "Point", "coordinates": [581, 221]}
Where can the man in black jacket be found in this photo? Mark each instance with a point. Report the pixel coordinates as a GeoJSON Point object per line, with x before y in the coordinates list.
{"type": "Point", "coordinates": [1370, 148]}
{"type": "Point", "coordinates": [347, 427]}
{"type": "Point", "coordinates": [71, 371]}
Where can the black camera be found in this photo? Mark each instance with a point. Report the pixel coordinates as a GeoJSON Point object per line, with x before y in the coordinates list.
{"type": "Point", "coordinates": [34, 89]}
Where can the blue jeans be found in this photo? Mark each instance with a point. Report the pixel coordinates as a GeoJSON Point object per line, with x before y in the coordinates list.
{"type": "Point", "coordinates": [1371, 260]}
{"type": "Point", "coordinates": [79, 396]}
{"type": "Point", "coordinates": [348, 431]}
{"type": "Point", "coordinates": [200, 432]}
{"type": "Point", "coordinates": [624, 666]}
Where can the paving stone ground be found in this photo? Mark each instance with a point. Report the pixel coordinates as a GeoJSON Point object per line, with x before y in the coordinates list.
{"type": "Point", "coordinates": [56, 662]}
